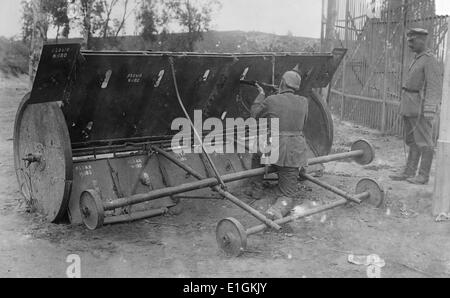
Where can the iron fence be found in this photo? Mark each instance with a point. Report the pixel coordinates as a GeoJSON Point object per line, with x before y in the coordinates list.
{"type": "Point", "coordinates": [367, 88]}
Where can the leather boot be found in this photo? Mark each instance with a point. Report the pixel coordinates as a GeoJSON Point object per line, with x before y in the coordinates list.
{"type": "Point", "coordinates": [425, 168]}
{"type": "Point", "coordinates": [411, 166]}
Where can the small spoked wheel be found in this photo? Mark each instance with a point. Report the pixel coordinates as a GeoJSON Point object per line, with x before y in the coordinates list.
{"type": "Point", "coordinates": [231, 237]}
{"type": "Point", "coordinates": [376, 192]}
{"type": "Point", "coordinates": [369, 153]}
{"type": "Point", "coordinates": [92, 211]}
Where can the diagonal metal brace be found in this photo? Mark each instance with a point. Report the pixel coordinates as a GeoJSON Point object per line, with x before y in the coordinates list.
{"type": "Point", "coordinates": [219, 190]}
{"type": "Point", "coordinates": [331, 188]}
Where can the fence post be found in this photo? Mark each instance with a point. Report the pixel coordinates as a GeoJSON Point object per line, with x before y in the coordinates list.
{"type": "Point", "coordinates": [344, 67]}
{"type": "Point", "coordinates": [441, 203]}
{"type": "Point", "coordinates": [322, 27]}
{"type": "Point", "coordinates": [330, 31]}
{"type": "Point", "coordinates": [322, 37]}
{"type": "Point", "coordinates": [404, 12]}
{"type": "Point", "coordinates": [386, 72]}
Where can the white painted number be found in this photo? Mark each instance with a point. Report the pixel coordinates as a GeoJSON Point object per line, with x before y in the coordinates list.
{"type": "Point", "coordinates": [160, 77]}
{"type": "Point", "coordinates": [107, 78]}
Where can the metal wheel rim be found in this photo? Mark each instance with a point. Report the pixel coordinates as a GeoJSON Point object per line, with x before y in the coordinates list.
{"type": "Point", "coordinates": [231, 237]}
{"type": "Point", "coordinates": [369, 153]}
{"type": "Point", "coordinates": [377, 193]}
{"type": "Point", "coordinates": [91, 208]}
{"type": "Point", "coordinates": [54, 208]}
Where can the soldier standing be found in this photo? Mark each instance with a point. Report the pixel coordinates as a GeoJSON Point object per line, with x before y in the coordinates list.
{"type": "Point", "coordinates": [419, 107]}
{"type": "Point", "coordinates": [292, 112]}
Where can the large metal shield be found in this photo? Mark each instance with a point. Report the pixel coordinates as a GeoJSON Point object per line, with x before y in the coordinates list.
{"type": "Point", "coordinates": [118, 97]}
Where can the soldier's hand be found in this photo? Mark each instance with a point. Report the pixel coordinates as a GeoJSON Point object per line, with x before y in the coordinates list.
{"type": "Point", "coordinates": [430, 112]}
{"type": "Point", "coordinates": [429, 116]}
{"type": "Point", "coordinates": [260, 89]}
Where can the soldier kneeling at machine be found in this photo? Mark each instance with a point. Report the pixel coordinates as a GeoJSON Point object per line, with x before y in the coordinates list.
{"type": "Point", "coordinates": [292, 111]}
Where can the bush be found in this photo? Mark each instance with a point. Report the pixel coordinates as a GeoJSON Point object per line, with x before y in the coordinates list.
{"type": "Point", "coordinates": [14, 57]}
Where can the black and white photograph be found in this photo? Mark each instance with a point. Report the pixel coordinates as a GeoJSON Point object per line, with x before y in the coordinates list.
{"type": "Point", "coordinates": [225, 145]}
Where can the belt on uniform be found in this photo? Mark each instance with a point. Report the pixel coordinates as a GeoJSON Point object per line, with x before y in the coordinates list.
{"type": "Point", "coordinates": [410, 90]}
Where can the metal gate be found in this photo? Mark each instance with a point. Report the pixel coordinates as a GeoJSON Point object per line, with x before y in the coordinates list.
{"type": "Point", "coordinates": [367, 88]}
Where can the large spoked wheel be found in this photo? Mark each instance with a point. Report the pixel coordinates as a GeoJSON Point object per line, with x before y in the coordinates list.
{"type": "Point", "coordinates": [231, 237]}
{"type": "Point", "coordinates": [377, 194]}
{"type": "Point", "coordinates": [43, 158]}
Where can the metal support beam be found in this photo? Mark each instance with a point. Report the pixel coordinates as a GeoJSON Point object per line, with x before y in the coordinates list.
{"type": "Point", "coordinates": [219, 190]}
{"type": "Point", "coordinates": [331, 188]}
{"type": "Point", "coordinates": [135, 216]}
{"type": "Point", "coordinates": [334, 157]}
{"type": "Point", "coordinates": [166, 192]}
{"type": "Point", "coordinates": [211, 182]}
{"type": "Point", "coordinates": [306, 213]}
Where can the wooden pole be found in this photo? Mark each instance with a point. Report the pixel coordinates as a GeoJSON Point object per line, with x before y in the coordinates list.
{"type": "Point", "coordinates": [322, 27]}
{"type": "Point", "coordinates": [403, 46]}
{"type": "Point", "coordinates": [330, 14]}
{"type": "Point", "coordinates": [330, 32]}
{"type": "Point", "coordinates": [386, 69]}
{"type": "Point", "coordinates": [441, 202]}
{"type": "Point", "coordinates": [322, 38]}
{"type": "Point", "coordinates": [344, 67]}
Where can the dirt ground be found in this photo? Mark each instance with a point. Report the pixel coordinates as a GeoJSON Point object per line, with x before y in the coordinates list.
{"type": "Point", "coordinates": [403, 232]}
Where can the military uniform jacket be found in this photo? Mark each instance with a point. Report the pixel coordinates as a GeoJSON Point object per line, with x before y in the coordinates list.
{"type": "Point", "coordinates": [292, 111]}
{"type": "Point", "coordinates": [423, 87]}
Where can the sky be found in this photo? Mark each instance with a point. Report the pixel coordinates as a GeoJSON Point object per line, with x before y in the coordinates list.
{"type": "Point", "coordinates": [301, 17]}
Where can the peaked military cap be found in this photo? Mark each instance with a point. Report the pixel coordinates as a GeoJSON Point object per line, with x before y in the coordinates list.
{"type": "Point", "coordinates": [415, 32]}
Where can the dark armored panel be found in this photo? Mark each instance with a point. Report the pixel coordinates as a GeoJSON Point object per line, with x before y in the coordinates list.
{"type": "Point", "coordinates": [91, 117]}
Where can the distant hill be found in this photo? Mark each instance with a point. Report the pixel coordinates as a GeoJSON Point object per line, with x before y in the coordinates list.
{"type": "Point", "coordinates": [14, 54]}
{"type": "Point", "coordinates": [239, 41]}
{"type": "Point", "coordinates": [213, 41]}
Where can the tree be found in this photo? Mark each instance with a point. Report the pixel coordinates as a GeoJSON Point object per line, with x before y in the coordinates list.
{"type": "Point", "coordinates": [193, 16]}
{"type": "Point", "coordinates": [104, 24]}
{"type": "Point", "coordinates": [39, 35]}
{"type": "Point", "coordinates": [37, 16]}
{"type": "Point", "coordinates": [149, 20]}
{"type": "Point", "coordinates": [96, 18]}
{"type": "Point", "coordinates": [57, 11]}
{"type": "Point", "coordinates": [106, 8]}
{"type": "Point", "coordinates": [27, 21]}
{"type": "Point", "coordinates": [119, 24]}
{"type": "Point", "coordinates": [86, 8]}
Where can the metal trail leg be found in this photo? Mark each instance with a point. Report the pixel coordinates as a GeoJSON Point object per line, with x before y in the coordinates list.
{"type": "Point", "coordinates": [331, 188]}
{"type": "Point", "coordinates": [232, 236]}
{"type": "Point", "coordinates": [222, 192]}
